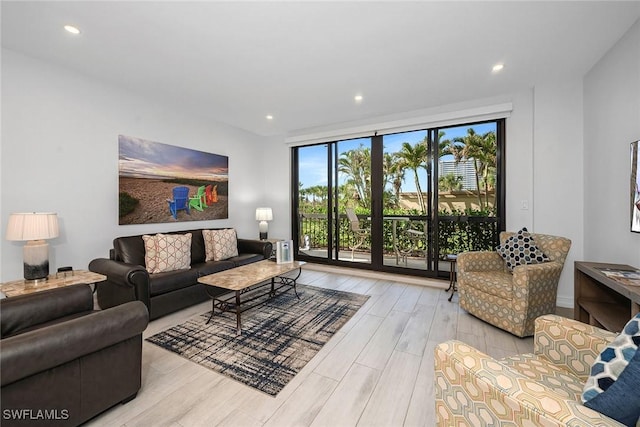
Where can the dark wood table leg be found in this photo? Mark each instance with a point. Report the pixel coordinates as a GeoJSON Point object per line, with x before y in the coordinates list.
{"type": "Point", "coordinates": [238, 314]}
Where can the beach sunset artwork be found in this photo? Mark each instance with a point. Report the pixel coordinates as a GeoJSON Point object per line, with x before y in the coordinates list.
{"type": "Point", "coordinates": [153, 177]}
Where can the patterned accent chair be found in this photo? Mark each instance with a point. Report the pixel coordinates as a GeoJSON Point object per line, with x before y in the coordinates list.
{"type": "Point", "coordinates": [538, 389]}
{"type": "Point", "coordinates": [511, 301]}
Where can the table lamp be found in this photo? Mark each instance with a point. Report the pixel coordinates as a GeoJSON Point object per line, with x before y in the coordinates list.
{"type": "Point", "coordinates": [34, 228]}
{"type": "Point", "coordinates": [263, 215]}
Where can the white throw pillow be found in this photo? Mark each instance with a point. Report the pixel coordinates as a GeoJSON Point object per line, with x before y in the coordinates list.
{"type": "Point", "coordinates": [167, 252]}
{"type": "Point", "coordinates": [220, 244]}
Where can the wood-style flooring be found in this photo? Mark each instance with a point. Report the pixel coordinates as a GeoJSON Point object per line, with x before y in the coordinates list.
{"type": "Point", "coordinates": [376, 371]}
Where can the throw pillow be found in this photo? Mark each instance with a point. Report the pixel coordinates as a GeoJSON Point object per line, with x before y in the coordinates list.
{"type": "Point", "coordinates": [167, 252]}
{"type": "Point", "coordinates": [220, 244]}
{"type": "Point", "coordinates": [615, 376]}
{"type": "Point", "coordinates": [520, 249]}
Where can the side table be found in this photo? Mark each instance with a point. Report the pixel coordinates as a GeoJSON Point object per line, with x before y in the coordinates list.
{"type": "Point", "coordinates": [452, 260]}
{"type": "Point", "coordinates": [79, 277]}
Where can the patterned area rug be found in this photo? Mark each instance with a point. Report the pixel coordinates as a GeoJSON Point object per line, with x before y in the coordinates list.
{"type": "Point", "coordinates": [278, 338]}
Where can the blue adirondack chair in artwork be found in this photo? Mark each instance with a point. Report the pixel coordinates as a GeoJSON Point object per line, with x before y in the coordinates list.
{"type": "Point", "coordinates": [180, 201]}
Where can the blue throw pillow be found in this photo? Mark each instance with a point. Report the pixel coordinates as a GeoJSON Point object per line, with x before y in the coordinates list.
{"type": "Point", "coordinates": [621, 401]}
{"type": "Point", "coordinates": [612, 387]}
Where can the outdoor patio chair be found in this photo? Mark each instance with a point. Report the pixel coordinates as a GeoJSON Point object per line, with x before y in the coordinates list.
{"type": "Point", "coordinates": [359, 234]}
{"type": "Point", "coordinates": [179, 202]}
{"type": "Point", "coordinates": [412, 239]}
{"type": "Point", "coordinates": [197, 202]}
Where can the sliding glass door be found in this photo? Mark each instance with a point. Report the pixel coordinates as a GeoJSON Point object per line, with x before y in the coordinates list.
{"type": "Point", "coordinates": [333, 212]}
{"type": "Point", "coordinates": [400, 202]}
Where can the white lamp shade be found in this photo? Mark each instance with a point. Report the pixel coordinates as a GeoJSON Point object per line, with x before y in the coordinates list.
{"type": "Point", "coordinates": [264, 214]}
{"type": "Point", "coordinates": [32, 226]}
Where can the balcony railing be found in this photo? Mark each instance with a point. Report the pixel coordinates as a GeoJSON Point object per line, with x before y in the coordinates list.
{"type": "Point", "coordinates": [455, 233]}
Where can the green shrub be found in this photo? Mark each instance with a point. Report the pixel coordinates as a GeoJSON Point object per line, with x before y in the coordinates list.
{"type": "Point", "coordinates": [127, 203]}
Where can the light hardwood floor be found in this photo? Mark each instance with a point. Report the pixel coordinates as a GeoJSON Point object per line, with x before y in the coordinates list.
{"type": "Point", "coordinates": [377, 370]}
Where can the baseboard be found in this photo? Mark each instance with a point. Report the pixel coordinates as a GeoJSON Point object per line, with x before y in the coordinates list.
{"type": "Point", "coordinates": [564, 302]}
{"type": "Point", "coordinates": [413, 280]}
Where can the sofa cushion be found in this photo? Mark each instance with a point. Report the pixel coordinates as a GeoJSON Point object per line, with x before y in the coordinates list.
{"type": "Point", "coordinates": [32, 311]}
{"type": "Point", "coordinates": [211, 267]}
{"type": "Point", "coordinates": [167, 252]}
{"type": "Point", "coordinates": [495, 283]}
{"type": "Point", "coordinates": [520, 249]}
{"type": "Point", "coordinates": [220, 244]}
{"type": "Point", "coordinates": [161, 283]}
{"type": "Point", "coordinates": [129, 249]}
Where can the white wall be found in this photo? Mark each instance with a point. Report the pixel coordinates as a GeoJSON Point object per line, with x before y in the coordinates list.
{"type": "Point", "coordinates": [558, 171]}
{"type": "Point", "coordinates": [60, 153]}
{"type": "Point", "coordinates": [277, 193]}
{"type": "Point", "coordinates": [611, 123]}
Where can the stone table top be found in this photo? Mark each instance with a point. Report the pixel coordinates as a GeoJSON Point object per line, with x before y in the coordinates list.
{"type": "Point", "coordinates": [248, 275]}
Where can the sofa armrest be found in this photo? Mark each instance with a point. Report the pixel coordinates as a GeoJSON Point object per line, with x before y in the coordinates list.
{"type": "Point", "coordinates": [25, 311]}
{"type": "Point", "coordinates": [569, 344]}
{"type": "Point", "coordinates": [41, 349]}
{"type": "Point", "coordinates": [122, 278]}
{"type": "Point", "coordinates": [468, 384]}
{"type": "Point", "coordinates": [479, 261]}
{"type": "Point", "coordinates": [260, 247]}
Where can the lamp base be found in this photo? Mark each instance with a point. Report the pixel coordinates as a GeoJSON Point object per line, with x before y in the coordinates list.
{"type": "Point", "coordinates": [36, 260]}
{"type": "Point", "coordinates": [34, 283]}
{"type": "Point", "coordinates": [263, 228]}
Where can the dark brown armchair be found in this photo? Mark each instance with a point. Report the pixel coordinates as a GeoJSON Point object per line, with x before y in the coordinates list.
{"type": "Point", "coordinates": [63, 363]}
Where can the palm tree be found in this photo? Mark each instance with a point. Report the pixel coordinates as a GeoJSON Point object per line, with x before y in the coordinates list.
{"type": "Point", "coordinates": [356, 165]}
{"type": "Point", "coordinates": [395, 174]}
{"type": "Point", "coordinates": [414, 157]}
{"type": "Point", "coordinates": [450, 182]}
{"type": "Point", "coordinates": [481, 149]}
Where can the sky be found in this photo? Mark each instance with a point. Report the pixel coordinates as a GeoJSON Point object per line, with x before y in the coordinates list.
{"type": "Point", "coordinates": [312, 160]}
{"type": "Point", "coordinates": [139, 158]}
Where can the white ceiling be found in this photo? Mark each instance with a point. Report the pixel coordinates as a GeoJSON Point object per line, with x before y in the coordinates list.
{"type": "Point", "coordinates": [303, 62]}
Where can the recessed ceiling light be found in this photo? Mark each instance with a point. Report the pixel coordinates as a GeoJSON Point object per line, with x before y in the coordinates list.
{"type": "Point", "coordinates": [497, 68]}
{"type": "Point", "coordinates": [269, 117]}
{"type": "Point", "coordinates": [358, 98]}
{"type": "Point", "coordinates": [72, 29]}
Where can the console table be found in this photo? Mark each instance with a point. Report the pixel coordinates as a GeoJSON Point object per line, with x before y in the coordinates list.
{"type": "Point", "coordinates": [602, 301]}
{"type": "Point", "coordinates": [75, 277]}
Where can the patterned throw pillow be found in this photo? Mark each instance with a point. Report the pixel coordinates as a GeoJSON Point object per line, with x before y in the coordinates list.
{"type": "Point", "coordinates": [167, 252]}
{"type": "Point", "coordinates": [615, 376]}
{"type": "Point", "coordinates": [220, 244]}
{"type": "Point", "coordinates": [520, 249]}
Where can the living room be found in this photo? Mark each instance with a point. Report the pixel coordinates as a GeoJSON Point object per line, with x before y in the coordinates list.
{"type": "Point", "coordinates": [568, 137]}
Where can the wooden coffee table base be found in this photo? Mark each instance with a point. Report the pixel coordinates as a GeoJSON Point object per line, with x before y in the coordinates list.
{"type": "Point", "coordinates": [253, 296]}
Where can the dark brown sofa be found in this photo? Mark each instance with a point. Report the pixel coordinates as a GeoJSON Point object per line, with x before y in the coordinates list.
{"type": "Point", "coordinates": [164, 293]}
{"type": "Point", "coordinates": [63, 363]}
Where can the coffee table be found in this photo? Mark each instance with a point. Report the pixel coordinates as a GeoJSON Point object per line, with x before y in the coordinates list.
{"type": "Point", "coordinates": [247, 283]}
